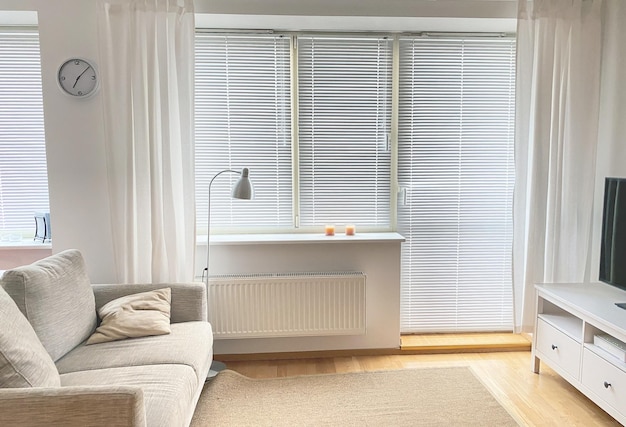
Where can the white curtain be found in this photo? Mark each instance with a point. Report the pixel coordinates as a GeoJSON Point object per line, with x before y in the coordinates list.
{"type": "Point", "coordinates": [558, 87]}
{"type": "Point", "coordinates": [147, 68]}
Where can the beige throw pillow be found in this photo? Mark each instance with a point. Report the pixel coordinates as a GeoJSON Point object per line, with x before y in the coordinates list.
{"type": "Point", "coordinates": [133, 316]}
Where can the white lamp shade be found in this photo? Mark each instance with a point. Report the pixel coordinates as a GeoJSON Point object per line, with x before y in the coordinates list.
{"type": "Point", "coordinates": [243, 187]}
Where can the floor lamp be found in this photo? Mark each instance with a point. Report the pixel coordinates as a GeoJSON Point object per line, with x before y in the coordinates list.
{"type": "Point", "coordinates": [241, 190]}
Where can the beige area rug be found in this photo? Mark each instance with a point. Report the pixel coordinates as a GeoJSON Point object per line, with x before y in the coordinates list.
{"type": "Point", "coordinates": [410, 397]}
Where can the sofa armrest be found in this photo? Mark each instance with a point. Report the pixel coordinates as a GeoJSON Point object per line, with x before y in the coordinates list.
{"type": "Point", "coordinates": [76, 406]}
{"type": "Point", "coordinates": [188, 299]}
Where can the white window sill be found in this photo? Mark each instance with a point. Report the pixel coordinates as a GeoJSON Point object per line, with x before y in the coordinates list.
{"type": "Point", "coordinates": [277, 239]}
{"type": "Point", "coordinates": [25, 244]}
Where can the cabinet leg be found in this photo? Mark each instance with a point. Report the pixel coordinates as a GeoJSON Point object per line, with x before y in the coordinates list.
{"type": "Point", "coordinates": [535, 364]}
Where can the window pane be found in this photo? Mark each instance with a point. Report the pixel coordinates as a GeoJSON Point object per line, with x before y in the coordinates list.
{"type": "Point", "coordinates": [23, 173]}
{"type": "Point", "coordinates": [242, 116]}
{"type": "Point", "coordinates": [344, 125]}
{"type": "Point", "coordinates": [456, 124]}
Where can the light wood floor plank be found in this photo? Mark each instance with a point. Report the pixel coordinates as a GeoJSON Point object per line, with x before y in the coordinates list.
{"type": "Point", "coordinates": [468, 342]}
{"type": "Point", "coordinates": [543, 399]}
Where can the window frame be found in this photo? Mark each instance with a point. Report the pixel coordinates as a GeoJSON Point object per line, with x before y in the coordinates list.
{"type": "Point", "coordinates": [40, 200]}
{"type": "Point", "coordinates": [296, 227]}
{"type": "Point", "coordinates": [457, 260]}
{"type": "Point", "coordinates": [395, 192]}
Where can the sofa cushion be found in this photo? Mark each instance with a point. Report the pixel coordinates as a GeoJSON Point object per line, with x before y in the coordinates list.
{"type": "Point", "coordinates": [170, 392]}
{"type": "Point", "coordinates": [56, 297]}
{"type": "Point", "coordinates": [24, 362]}
{"type": "Point", "coordinates": [189, 343]}
{"type": "Point", "coordinates": [133, 316]}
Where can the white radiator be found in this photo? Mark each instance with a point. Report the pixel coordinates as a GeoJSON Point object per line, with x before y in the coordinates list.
{"type": "Point", "coordinates": [287, 305]}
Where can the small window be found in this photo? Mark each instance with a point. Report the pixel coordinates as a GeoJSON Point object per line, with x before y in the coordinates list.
{"type": "Point", "coordinates": [23, 172]}
{"type": "Point", "coordinates": [243, 119]}
{"type": "Point", "coordinates": [345, 130]}
{"type": "Point", "coordinates": [336, 167]}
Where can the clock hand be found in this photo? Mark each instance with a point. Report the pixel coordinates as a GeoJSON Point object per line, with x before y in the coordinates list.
{"type": "Point", "coordinates": [79, 76]}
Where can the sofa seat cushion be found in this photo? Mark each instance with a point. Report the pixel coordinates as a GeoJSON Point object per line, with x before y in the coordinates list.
{"type": "Point", "coordinates": [56, 297]}
{"type": "Point", "coordinates": [189, 343]}
{"type": "Point", "coordinates": [24, 362]}
{"type": "Point", "coordinates": [170, 392]}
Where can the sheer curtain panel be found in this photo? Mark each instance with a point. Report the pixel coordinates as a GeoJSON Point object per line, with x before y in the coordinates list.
{"type": "Point", "coordinates": [147, 66]}
{"type": "Point", "coordinates": [557, 102]}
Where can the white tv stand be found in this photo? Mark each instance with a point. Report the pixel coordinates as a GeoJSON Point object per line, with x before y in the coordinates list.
{"type": "Point", "coordinates": [568, 317]}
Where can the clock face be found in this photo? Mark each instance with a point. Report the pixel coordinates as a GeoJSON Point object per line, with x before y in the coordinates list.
{"type": "Point", "coordinates": [78, 78]}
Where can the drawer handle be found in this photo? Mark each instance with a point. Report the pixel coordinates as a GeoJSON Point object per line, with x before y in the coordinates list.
{"type": "Point", "coordinates": [607, 385]}
{"type": "Point", "coordinates": [554, 347]}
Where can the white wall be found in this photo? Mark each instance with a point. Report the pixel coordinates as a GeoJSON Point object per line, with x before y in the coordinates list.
{"type": "Point", "coordinates": [11, 257]}
{"type": "Point", "coordinates": [382, 8]}
{"type": "Point", "coordinates": [76, 163]}
{"type": "Point", "coordinates": [380, 261]}
{"type": "Point", "coordinates": [74, 134]}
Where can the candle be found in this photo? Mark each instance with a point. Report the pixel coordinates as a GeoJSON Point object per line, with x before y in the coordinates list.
{"type": "Point", "coordinates": [330, 230]}
{"type": "Point", "coordinates": [350, 229]}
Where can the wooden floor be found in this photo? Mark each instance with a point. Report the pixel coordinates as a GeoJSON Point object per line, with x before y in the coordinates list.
{"type": "Point", "coordinates": [535, 400]}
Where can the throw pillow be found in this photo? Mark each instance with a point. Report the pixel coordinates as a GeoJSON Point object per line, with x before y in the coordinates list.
{"type": "Point", "coordinates": [133, 316]}
{"type": "Point", "coordinates": [24, 362]}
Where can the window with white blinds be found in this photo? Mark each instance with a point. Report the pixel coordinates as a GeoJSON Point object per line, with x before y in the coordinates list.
{"type": "Point", "coordinates": [337, 170]}
{"type": "Point", "coordinates": [23, 172]}
{"type": "Point", "coordinates": [243, 119]}
{"type": "Point", "coordinates": [344, 128]}
{"type": "Point", "coordinates": [455, 171]}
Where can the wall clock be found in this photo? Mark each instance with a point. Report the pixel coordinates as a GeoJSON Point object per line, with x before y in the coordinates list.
{"type": "Point", "coordinates": [78, 77]}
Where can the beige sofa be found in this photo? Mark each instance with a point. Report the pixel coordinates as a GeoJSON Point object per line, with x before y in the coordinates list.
{"type": "Point", "coordinates": [49, 377]}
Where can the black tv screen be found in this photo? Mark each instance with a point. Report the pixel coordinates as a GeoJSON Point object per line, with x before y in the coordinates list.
{"type": "Point", "coordinates": [613, 248]}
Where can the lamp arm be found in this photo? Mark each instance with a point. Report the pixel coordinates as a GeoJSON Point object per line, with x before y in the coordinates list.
{"type": "Point", "coordinates": [218, 174]}
{"type": "Point", "coordinates": [208, 230]}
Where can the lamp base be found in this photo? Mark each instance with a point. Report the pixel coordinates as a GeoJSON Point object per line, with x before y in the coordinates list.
{"type": "Point", "coordinates": [216, 368]}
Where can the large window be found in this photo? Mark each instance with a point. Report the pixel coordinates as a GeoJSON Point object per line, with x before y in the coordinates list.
{"type": "Point", "coordinates": [335, 129]}
{"type": "Point", "coordinates": [455, 171]}
{"type": "Point", "coordinates": [23, 174]}
{"type": "Point", "coordinates": [309, 115]}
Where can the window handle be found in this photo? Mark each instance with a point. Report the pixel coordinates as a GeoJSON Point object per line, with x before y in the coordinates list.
{"type": "Point", "coordinates": [402, 193]}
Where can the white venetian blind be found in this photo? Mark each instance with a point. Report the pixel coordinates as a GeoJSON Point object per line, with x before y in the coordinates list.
{"type": "Point", "coordinates": [456, 124]}
{"type": "Point", "coordinates": [344, 125]}
{"type": "Point", "coordinates": [23, 173]}
{"type": "Point", "coordinates": [242, 119]}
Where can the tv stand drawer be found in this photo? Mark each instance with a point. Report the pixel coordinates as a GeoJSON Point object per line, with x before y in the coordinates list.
{"type": "Point", "coordinates": [558, 348]}
{"type": "Point", "coordinates": [605, 380]}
